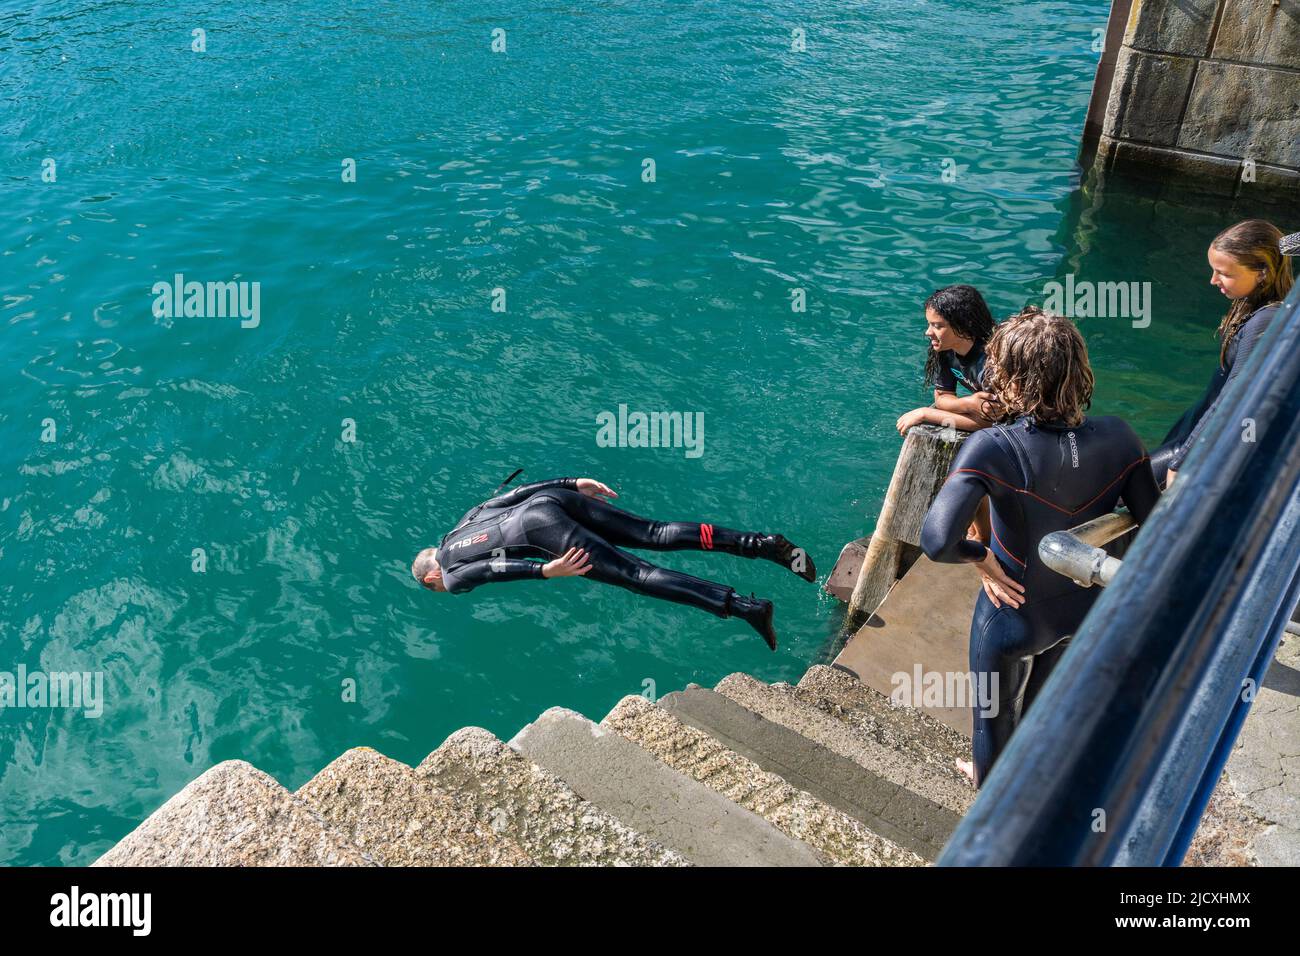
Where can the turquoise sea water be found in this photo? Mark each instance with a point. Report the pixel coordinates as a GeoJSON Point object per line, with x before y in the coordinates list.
{"type": "Point", "coordinates": [775, 170]}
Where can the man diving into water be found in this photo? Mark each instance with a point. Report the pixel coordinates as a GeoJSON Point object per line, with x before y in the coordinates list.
{"type": "Point", "coordinates": [567, 523]}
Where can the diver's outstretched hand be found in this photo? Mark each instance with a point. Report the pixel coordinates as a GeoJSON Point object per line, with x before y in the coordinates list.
{"type": "Point", "coordinates": [573, 562]}
{"type": "Point", "coordinates": [596, 489]}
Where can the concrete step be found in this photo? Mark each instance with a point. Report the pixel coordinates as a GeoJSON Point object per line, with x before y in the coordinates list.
{"type": "Point", "coordinates": [652, 798]}
{"type": "Point", "coordinates": [786, 803]}
{"type": "Point", "coordinates": [401, 818]}
{"type": "Point", "coordinates": [911, 629]}
{"type": "Point", "coordinates": [1224, 837]}
{"type": "Point", "coordinates": [515, 797]}
{"type": "Point", "coordinates": [905, 729]}
{"type": "Point", "coordinates": [235, 815]}
{"type": "Point", "coordinates": [1227, 829]}
{"type": "Point", "coordinates": [830, 778]}
{"type": "Point", "coordinates": [947, 792]}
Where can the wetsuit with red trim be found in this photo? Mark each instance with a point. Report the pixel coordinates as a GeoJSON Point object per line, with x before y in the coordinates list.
{"type": "Point", "coordinates": [1039, 477]}
{"type": "Point", "coordinates": [509, 537]}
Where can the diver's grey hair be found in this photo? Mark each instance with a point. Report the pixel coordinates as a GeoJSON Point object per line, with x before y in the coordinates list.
{"type": "Point", "coordinates": [423, 564]}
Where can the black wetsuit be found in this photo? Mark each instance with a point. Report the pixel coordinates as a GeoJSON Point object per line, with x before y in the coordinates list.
{"type": "Point", "coordinates": [967, 369]}
{"type": "Point", "coordinates": [1173, 450]}
{"type": "Point", "coordinates": [1039, 478]}
{"type": "Point", "coordinates": [496, 540]}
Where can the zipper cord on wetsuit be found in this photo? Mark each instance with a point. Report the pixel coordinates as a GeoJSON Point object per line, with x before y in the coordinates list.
{"type": "Point", "coordinates": [474, 514]}
{"type": "Point", "coordinates": [513, 475]}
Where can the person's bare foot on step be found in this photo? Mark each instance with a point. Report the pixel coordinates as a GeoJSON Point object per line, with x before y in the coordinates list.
{"type": "Point", "coordinates": [968, 768]}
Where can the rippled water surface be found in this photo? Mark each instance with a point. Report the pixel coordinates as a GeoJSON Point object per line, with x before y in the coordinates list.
{"type": "Point", "coordinates": [775, 170]}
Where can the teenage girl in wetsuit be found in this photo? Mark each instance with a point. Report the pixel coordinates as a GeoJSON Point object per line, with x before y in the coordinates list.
{"type": "Point", "coordinates": [1249, 265]}
{"type": "Point", "coordinates": [1045, 467]}
{"type": "Point", "coordinates": [566, 524]}
{"type": "Point", "coordinates": [958, 326]}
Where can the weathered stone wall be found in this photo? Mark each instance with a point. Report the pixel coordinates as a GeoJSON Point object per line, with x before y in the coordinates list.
{"type": "Point", "coordinates": [1206, 90]}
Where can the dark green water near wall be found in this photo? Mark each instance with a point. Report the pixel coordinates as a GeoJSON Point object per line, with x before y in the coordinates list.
{"type": "Point", "coordinates": [909, 146]}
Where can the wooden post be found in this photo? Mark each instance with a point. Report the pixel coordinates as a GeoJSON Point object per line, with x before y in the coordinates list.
{"type": "Point", "coordinates": [919, 473]}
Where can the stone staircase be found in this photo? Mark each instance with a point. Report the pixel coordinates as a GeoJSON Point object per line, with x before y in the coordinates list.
{"type": "Point", "coordinates": [827, 772]}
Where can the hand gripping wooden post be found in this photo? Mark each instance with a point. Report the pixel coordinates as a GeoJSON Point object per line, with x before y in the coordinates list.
{"type": "Point", "coordinates": [921, 469]}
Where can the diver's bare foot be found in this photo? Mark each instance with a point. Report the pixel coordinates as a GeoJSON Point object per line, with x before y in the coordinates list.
{"type": "Point", "coordinates": [968, 768]}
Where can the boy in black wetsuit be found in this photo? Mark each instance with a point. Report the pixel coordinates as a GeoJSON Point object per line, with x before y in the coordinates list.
{"type": "Point", "coordinates": [566, 523]}
{"type": "Point", "coordinates": [1045, 467]}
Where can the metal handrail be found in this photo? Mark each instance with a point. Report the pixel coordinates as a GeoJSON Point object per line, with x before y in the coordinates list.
{"type": "Point", "coordinates": [1116, 760]}
{"type": "Point", "coordinates": [1078, 553]}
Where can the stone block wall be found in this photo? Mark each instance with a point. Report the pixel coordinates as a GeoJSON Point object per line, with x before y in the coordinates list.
{"type": "Point", "coordinates": [1206, 90]}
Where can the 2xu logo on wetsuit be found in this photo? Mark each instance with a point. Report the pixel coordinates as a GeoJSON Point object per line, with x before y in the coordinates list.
{"type": "Point", "coordinates": [466, 542]}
